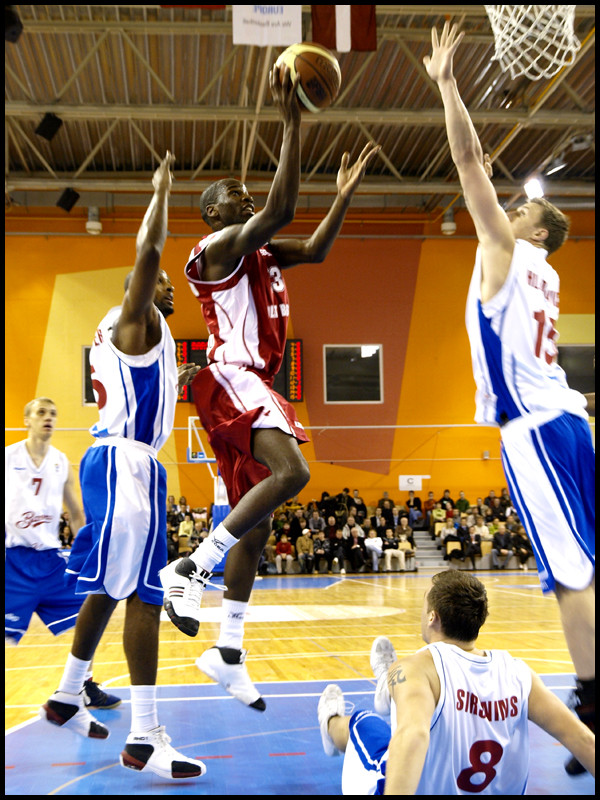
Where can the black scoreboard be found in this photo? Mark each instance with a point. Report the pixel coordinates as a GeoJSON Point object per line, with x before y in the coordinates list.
{"type": "Point", "coordinates": [288, 381]}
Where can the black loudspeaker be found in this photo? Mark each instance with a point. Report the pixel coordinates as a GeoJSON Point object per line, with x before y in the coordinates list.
{"type": "Point", "coordinates": [67, 199]}
{"type": "Point", "coordinates": [12, 25]}
{"type": "Point", "coordinates": [49, 126]}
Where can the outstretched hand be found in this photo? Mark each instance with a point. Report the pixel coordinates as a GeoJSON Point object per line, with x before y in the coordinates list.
{"type": "Point", "coordinates": [284, 93]}
{"type": "Point", "coordinates": [348, 178]}
{"type": "Point", "coordinates": [185, 373]}
{"type": "Point", "coordinates": [439, 63]}
{"type": "Point", "coordinates": [163, 177]}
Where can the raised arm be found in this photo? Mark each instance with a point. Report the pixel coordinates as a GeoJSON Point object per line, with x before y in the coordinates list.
{"type": "Point", "coordinates": [238, 240]}
{"type": "Point", "coordinates": [314, 249]}
{"type": "Point", "coordinates": [139, 314]}
{"type": "Point", "coordinates": [491, 222]}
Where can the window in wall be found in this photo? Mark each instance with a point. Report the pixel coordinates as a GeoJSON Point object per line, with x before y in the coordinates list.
{"type": "Point", "coordinates": [353, 373]}
{"type": "Point", "coordinates": [579, 362]}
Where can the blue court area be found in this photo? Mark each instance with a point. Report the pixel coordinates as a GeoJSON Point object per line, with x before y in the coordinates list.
{"type": "Point", "coordinates": [246, 752]}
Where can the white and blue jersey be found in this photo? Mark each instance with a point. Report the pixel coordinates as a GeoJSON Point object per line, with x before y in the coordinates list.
{"type": "Point", "coordinates": [547, 451]}
{"type": "Point", "coordinates": [478, 735]}
{"type": "Point", "coordinates": [34, 566]}
{"type": "Point", "coordinates": [123, 544]}
{"type": "Point", "coordinates": [136, 395]}
{"type": "Point", "coordinates": [513, 342]}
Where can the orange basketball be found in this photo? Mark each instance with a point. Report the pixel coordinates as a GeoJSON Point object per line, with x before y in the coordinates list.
{"type": "Point", "coordinates": [319, 71]}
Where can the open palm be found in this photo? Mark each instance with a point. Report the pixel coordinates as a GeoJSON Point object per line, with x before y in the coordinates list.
{"type": "Point", "coordinates": [348, 178]}
{"type": "Point", "coordinates": [439, 63]}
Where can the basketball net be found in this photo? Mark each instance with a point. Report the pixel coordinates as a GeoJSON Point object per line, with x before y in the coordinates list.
{"type": "Point", "coordinates": [536, 41]}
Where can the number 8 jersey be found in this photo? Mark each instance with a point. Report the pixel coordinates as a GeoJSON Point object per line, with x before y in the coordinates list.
{"type": "Point", "coordinates": [479, 735]}
{"type": "Point", "coordinates": [246, 313]}
{"type": "Point", "coordinates": [513, 342]}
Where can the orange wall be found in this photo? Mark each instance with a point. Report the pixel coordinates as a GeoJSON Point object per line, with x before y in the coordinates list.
{"type": "Point", "coordinates": [378, 286]}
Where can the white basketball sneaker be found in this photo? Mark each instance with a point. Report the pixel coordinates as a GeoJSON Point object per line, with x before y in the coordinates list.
{"type": "Point", "coordinates": [225, 666]}
{"type": "Point", "coordinates": [184, 582]}
{"type": "Point", "coordinates": [68, 711]}
{"type": "Point", "coordinates": [331, 704]}
{"type": "Point", "coordinates": [150, 751]}
{"type": "Point", "coordinates": [383, 656]}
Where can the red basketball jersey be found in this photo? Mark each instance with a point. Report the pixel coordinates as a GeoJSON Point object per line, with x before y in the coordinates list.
{"type": "Point", "coordinates": [246, 313]}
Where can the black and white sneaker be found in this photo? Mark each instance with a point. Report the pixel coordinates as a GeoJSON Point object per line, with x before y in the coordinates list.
{"type": "Point", "coordinates": [184, 582]}
{"type": "Point", "coordinates": [68, 711]}
{"type": "Point", "coordinates": [151, 752]}
{"type": "Point", "coordinates": [225, 666]}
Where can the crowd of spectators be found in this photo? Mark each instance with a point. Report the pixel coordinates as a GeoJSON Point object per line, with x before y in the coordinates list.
{"type": "Point", "coordinates": [465, 526]}
{"type": "Point", "coordinates": [341, 532]}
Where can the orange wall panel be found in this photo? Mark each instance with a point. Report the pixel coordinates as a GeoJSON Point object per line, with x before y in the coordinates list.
{"type": "Point", "coordinates": [383, 284]}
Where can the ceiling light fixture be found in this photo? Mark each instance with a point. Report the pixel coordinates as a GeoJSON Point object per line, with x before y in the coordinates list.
{"type": "Point", "coordinates": [555, 165]}
{"type": "Point", "coordinates": [533, 188]}
{"type": "Point", "coordinates": [448, 224]}
{"type": "Point", "coordinates": [93, 224]}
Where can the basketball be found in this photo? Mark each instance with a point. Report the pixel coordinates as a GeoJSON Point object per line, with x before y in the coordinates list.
{"type": "Point", "coordinates": [319, 71]}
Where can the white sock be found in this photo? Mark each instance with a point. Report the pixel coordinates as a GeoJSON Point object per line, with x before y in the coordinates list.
{"type": "Point", "coordinates": [74, 675]}
{"type": "Point", "coordinates": [231, 633]}
{"type": "Point", "coordinates": [144, 714]}
{"type": "Point", "coordinates": [213, 548]}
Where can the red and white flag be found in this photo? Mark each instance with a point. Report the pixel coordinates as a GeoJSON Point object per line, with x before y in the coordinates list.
{"type": "Point", "coordinates": [344, 28]}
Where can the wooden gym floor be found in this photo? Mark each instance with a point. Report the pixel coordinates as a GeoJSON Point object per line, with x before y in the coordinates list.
{"type": "Point", "coordinates": [302, 632]}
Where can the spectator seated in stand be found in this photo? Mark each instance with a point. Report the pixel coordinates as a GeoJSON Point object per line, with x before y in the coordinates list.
{"type": "Point", "coordinates": [284, 551]}
{"type": "Point", "coordinates": [316, 522]}
{"type": "Point", "coordinates": [482, 529]}
{"type": "Point", "coordinates": [355, 550]}
{"type": "Point", "coordinates": [378, 521]}
{"type": "Point", "coordinates": [405, 528]}
{"type": "Point", "coordinates": [391, 552]}
{"type": "Point", "coordinates": [348, 527]}
{"type": "Point", "coordinates": [332, 528]}
{"type": "Point", "coordinates": [438, 514]}
{"type": "Point", "coordinates": [428, 507]}
{"type": "Point", "coordinates": [359, 505]}
{"type": "Point", "coordinates": [448, 537]}
{"type": "Point", "coordinates": [321, 549]}
{"type": "Point", "coordinates": [406, 546]}
{"type": "Point", "coordinates": [337, 552]}
{"type": "Point", "coordinates": [297, 524]}
{"type": "Point", "coordinates": [415, 511]}
{"type": "Point", "coordinates": [305, 551]}
{"type": "Point", "coordinates": [502, 547]}
{"type": "Point", "coordinates": [374, 546]}
{"type": "Point", "coordinates": [462, 503]}
{"type": "Point", "coordinates": [473, 545]}
{"type": "Point", "coordinates": [522, 547]}
{"type": "Point", "coordinates": [447, 499]}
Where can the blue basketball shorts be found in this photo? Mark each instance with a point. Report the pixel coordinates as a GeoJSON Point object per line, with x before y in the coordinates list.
{"type": "Point", "coordinates": [365, 758]}
{"type": "Point", "coordinates": [550, 470]}
{"type": "Point", "coordinates": [35, 583]}
{"type": "Point", "coordinates": [123, 544]}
